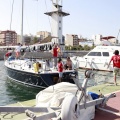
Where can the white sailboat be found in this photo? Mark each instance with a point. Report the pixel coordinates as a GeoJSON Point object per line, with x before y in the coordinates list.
{"type": "Point", "coordinates": [63, 101]}
{"type": "Point", "coordinates": [39, 73]}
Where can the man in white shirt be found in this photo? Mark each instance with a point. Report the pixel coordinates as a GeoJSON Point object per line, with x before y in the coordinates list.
{"type": "Point", "coordinates": [17, 50]}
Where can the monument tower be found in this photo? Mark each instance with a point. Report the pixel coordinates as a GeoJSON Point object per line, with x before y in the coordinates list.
{"type": "Point", "coordinates": [57, 14]}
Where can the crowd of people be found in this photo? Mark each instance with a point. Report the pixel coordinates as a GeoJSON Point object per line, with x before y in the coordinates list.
{"type": "Point", "coordinates": [58, 64]}
{"type": "Point", "coordinates": [9, 55]}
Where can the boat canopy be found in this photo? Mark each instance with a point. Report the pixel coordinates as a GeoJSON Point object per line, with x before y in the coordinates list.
{"type": "Point", "coordinates": [108, 37]}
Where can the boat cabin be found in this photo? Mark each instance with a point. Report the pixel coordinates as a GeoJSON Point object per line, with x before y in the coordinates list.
{"type": "Point", "coordinates": [102, 52]}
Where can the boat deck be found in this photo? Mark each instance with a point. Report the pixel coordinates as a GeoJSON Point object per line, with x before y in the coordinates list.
{"type": "Point", "coordinates": [110, 112]}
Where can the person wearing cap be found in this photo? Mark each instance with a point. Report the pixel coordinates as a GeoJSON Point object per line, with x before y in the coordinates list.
{"type": "Point", "coordinates": [116, 64]}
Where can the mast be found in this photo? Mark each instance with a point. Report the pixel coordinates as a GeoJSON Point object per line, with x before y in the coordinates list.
{"type": "Point", "coordinates": [22, 23]}
{"type": "Point", "coordinates": [11, 15]}
{"type": "Point", "coordinates": [57, 14]}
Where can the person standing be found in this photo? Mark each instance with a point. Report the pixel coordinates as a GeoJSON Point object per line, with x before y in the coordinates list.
{"type": "Point", "coordinates": [59, 50]}
{"type": "Point", "coordinates": [55, 55]}
{"type": "Point", "coordinates": [7, 55]}
{"type": "Point", "coordinates": [17, 50]}
{"type": "Point", "coordinates": [116, 64]}
{"type": "Point", "coordinates": [60, 69]}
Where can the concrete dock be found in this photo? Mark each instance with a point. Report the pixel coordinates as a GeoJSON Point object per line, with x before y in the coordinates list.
{"type": "Point", "coordinates": [112, 109]}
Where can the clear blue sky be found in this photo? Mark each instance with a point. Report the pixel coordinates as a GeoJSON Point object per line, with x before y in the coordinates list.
{"type": "Point", "coordinates": [87, 17]}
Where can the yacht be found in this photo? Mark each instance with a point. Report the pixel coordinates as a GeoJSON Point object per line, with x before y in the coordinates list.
{"type": "Point", "coordinates": [98, 58]}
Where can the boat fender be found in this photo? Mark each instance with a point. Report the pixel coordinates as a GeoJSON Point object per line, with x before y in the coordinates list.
{"type": "Point", "coordinates": [86, 62]}
{"type": "Point", "coordinates": [106, 63]}
{"type": "Point", "coordinates": [77, 64]}
{"type": "Point", "coordinates": [70, 108]}
{"type": "Point", "coordinates": [36, 67]}
{"type": "Point", "coordinates": [89, 74]}
{"type": "Point", "coordinates": [30, 114]}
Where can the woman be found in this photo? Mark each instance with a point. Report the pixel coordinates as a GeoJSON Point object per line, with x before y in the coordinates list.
{"type": "Point", "coordinates": [60, 69]}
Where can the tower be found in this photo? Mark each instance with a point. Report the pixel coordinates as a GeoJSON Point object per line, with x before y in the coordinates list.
{"type": "Point", "coordinates": [57, 14]}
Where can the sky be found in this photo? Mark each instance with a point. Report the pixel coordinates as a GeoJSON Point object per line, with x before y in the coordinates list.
{"type": "Point", "coordinates": [87, 17]}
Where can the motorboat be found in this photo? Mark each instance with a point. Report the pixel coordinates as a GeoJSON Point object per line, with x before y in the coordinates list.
{"type": "Point", "coordinates": [98, 58]}
{"type": "Point", "coordinates": [64, 101]}
{"type": "Point", "coordinates": [35, 73]}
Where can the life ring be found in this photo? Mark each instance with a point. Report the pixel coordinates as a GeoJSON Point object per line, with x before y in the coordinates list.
{"type": "Point", "coordinates": [70, 108]}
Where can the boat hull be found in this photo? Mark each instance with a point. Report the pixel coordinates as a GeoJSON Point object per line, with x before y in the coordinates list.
{"type": "Point", "coordinates": [37, 80]}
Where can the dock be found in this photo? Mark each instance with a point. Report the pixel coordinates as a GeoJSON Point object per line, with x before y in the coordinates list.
{"type": "Point", "coordinates": [110, 112]}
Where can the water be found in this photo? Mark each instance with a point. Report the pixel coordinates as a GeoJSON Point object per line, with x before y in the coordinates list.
{"type": "Point", "coordinates": [12, 92]}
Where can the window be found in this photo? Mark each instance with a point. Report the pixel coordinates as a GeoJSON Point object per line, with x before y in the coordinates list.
{"type": "Point", "coordinates": [94, 54]}
{"type": "Point", "coordinates": [59, 28]}
{"type": "Point", "coordinates": [105, 54]}
{"type": "Point", "coordinates": [59, 21]}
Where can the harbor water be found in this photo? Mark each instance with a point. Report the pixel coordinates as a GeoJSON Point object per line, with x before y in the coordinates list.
{"type": "Point", "coordinates": [12, 92]}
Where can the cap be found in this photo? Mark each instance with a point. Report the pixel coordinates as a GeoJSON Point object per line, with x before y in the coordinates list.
{"type": "Point", "coordinates": [116, 52]}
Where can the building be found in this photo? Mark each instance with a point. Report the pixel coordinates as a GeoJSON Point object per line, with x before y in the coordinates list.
{"type": "Point", "coordinates": [97, 39]}
{"type": "Point", "coordinates": [19, 39]}
{"type": "Point", "coordinates": [100, 40]}
{"type": "Point", "coordinates": [43, 34]}
{"type": "Point", "coordinates": [8, 37]}
{"type": "Point", "coordinates": [72, 40]}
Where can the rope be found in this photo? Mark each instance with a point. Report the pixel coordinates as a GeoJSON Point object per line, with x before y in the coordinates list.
{"type": "Point", "coordinates": [48, 17]}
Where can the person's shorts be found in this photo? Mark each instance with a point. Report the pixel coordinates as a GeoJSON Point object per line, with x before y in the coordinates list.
{"type": "Point", "coordinates": [55, 61]}
{"type": "Point", "coordinates": [60, 74]}
{"type": "Point", "coordinates": [17, 54]}
{"type": "Point", "coordinates": [116, 71]}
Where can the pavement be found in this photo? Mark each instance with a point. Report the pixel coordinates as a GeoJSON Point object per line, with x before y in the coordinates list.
{"type": "Point", "coordinates": [111, 111]}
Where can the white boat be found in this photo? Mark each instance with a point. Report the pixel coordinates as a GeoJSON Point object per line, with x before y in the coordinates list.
{"type": "Point", "coordinates": [35, 73]}
{"type": "Point", "coordinates": [98, 58]}
{"type": "Point", "coordinates": [28, 72]}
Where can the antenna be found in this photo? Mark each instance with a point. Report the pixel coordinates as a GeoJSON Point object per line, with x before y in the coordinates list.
{"type": "Point", "coordinates": [22, 22]}
{"type": "Point", "coordinates": [118, 35]}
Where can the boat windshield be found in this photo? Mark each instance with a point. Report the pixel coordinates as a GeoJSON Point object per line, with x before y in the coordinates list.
{"type": "Point", "coordinates": [98, 54]}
